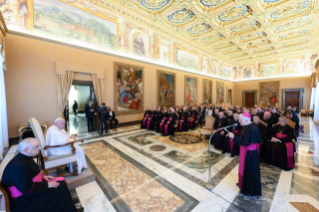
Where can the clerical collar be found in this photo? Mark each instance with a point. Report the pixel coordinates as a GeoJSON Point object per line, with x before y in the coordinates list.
{"type": "Point", "coordinates": [25, 154]}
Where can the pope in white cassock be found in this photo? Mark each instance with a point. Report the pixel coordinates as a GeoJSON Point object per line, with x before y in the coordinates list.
{"type": "Point", "coordinates": [56, 135]}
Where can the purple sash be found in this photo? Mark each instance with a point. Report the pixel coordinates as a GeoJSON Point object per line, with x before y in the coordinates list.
{"type": "Point", "coordinates": [166, 127]}
{"type": "Point", "coordinates": [144, 120]}
{"type": "Point", "coordinates": [161, 124]}
{"type": "Point", "coordinates": [290, 150]}
{"type": "Point", "coordinates": [16, 193]}
{"type": "Point", "coordinates": [191, 121]}
{"type": "Point", "coordinates": [242, 158]}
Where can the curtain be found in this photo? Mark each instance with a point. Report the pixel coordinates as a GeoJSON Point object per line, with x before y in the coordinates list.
{"type": "Point", "coordinates": [4, 138]}
{"type": "Point", "coordinates": [64, 85]}
{"type": "Point", "coordinates": [97, 88]}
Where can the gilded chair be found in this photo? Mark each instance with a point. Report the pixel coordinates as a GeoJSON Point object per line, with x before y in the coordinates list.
{"type": "Point", "coordinates": [311, 112]}
{"type": "Point", "coordinates": [209, 126]}
{"type": "Point", "coordinates": [305, 111]}
{"type": "Point", "coordinates": [6, 196]}
{"type": "Point", "coordinates": [54, 162]}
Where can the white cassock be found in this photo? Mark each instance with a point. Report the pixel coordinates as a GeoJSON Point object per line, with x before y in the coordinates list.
{"type": "Point", "coordinates": [54, 137]}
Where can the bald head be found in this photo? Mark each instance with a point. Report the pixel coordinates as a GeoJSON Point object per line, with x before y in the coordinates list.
{"type": "Point", "coordinates": [266, 115]}
{"type": "Point", "coordinates": [29, 146]}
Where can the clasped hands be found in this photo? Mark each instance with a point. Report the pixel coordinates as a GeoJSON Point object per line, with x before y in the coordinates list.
{"type": "Point", "coordinates": [222, 132]}
{"type": "Point", "coordinates": [273, 139]}
{"type": "Point", "coordinates": [73, 136]}
{"type": "Point", "coordinates": [52, 184]}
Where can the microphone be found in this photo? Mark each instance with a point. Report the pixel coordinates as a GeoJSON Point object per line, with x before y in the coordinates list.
{"type": "Point", "coordinates": [233, 125]}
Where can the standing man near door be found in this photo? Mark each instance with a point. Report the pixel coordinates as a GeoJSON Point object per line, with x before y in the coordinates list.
{"type": "Point", "coordinates": [90, 112]}
{"type": "Point", "coordinates": [75, 107]}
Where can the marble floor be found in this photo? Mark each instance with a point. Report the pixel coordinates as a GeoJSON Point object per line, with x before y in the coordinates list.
{"type": "Point", "coordinates": [139, 170]}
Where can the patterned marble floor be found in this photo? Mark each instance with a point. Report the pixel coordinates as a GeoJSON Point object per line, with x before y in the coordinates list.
{"type": "Point", "coordinates": [139, 170]}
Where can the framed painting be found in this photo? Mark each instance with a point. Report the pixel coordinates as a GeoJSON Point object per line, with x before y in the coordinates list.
{"type": "Point", "coordinates": [247, 72]}
{"type": "Point", "coordinates": [269, 69]}
{"type": "Point", "coordinates": [191, 90]}
{"type": "Point", "coordinates": [166, 86]}
{"type": "Point", "coordinates": [219, 92]}
{"type": "Point", "coordinates": [207, 91]}
{"type": "Point", "coordinates": [269, 92]}
{"type": "Point", "coordinates": [225, 72]}
{"type": "Point", "coordinates": [186, 58]}
{"type": "Point", "coordinates": [128, 91]}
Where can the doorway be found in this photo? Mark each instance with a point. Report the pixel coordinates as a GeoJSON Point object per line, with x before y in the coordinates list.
{"type": "Point", "coordinates": [229, 96]}
{"type": "Point", "coordinates": [249, 98]}
{"type": "Point", "coordinates": [81, 92]}
{"type": "Point", "coordinates": [293, 98]}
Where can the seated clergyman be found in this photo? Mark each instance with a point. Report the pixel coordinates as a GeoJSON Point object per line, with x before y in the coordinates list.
{"type": "Point", "coordinates": [29, 189]}
{"type": "Point", "coordinates": [280, 149]}
{"type": "Point", "coordinates": [56, 135]}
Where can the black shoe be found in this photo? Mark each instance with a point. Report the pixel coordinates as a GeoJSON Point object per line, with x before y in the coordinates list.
{"type": "Point", "coordinates": [80, 209]}
{"type": "Point", "coordinates": [237, 184]}
{"type": "Point", "coordinates": [75, 200]}
{"type": "Point", "coordinates": [223, 152]}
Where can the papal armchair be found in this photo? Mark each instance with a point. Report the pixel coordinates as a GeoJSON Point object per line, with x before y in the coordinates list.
{"type": "Point", "coordinates": [54, 162]}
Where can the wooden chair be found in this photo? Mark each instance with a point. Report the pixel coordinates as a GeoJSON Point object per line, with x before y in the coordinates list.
{"type": "Point", "coordinates": [304, 112]}
{"type": "Point", "coordinates": [6, 196]}
{"type": "Point", "coordinates": [311, 112]}
{"type": "Point", "coordinates": [209, 126]}
{"type": "Point", "coordinates": [54, 162]}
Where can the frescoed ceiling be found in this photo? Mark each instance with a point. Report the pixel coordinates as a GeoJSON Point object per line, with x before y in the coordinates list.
{"type": "Point", "coordinates": [208, 36]}
{"type": "Point", "coordinates": [238, 31]}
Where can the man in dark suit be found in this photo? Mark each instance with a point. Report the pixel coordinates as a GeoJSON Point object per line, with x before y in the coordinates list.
{"type": "Point", "coordinates": [102, 117]}
{"type": "Point", "coordinates": [89, 113]}
{"type": "Point", "coordinates": [202, 114]}
{"type": "Point", "coordinates": [111, 118]}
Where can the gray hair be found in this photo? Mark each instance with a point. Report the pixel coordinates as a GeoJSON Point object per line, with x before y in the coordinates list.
{"type": "Point", "coordinates": [58, 119]}
{"type": "Point", "coordinates": [25, 143]}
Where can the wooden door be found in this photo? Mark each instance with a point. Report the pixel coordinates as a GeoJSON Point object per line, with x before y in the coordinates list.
{"type": "Point", "coordinates": [292, 99]}
{"type": "Point", "coordinates": [249, 99]}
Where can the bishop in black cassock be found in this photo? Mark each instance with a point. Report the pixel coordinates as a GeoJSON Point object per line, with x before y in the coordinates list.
{"type": "Point", "coordinates": [147, 114]}
{"type": "Point", "coordinates": [249, 180]}
{"type": "Point", "coordinates": [34, 195]}
{"type": "Point", "coordinates": [169, 128]}
{"type": "Point", "coordinates": [280, 151]}
{"type": "Point", "coordinates": [183, 123]}
{"type": "Point", "coordinates": [218, 138]}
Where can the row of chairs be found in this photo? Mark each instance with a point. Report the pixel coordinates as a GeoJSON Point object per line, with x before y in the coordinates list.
{"type": "Point", "coordinates": [307, 111]}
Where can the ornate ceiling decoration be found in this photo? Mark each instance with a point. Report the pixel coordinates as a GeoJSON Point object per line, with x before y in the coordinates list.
{"type": "Point", "coordinates": [238, 31]}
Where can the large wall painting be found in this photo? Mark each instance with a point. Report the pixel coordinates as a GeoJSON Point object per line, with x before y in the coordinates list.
{"type": "Point", "coordinates": [207, 91]}
{"type": "Point", "coordinates": [225, 72]}
{"type": "Point", "coordinates": [204, 64]}
{"type": "Point", "coordinates": [236, 73]}
{"type": "Point", "coordinates": [269, 92]}
{"type": "Point", "coordinates": [191, 90]}
{"type": "Point", "coordinates": [186, 58]}
{"type": "Point", "coordinates": [293, 67]}
{"type": "Point", "coordinates": [212, 69]}
{"type": "Point", "coordinates": [219, 92]}
{"type": "Point", "coordinates": [166, 88]}
{"type": "Point", "coordinates": [129, 97]}
{"type": "Point", "coordinates": [57, 19]}
{"type": "Point", "coordinates": [269, 69]}
{"type": "Point", "coordinates": [247, 72]}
